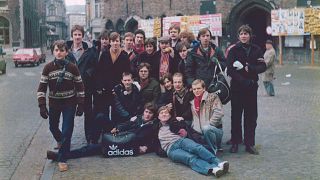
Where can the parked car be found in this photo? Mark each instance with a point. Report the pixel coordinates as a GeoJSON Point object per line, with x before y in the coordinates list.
{"type": "Point", "coordinates": [26, 56]}
{"type": "Point", "coordinates": [41, 54]}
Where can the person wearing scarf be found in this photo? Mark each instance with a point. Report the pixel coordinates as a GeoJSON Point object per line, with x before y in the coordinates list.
{"type": "Point", "coordinates": [207, 116]}
{"type": "Point", "coordinates": [181, 99]}
{"type": "Point", "coordinates": [164, 62]}
{"type": "Point", "coordinates": [201, 60]}
{"type": "Point", "coordinates": [150, 88]}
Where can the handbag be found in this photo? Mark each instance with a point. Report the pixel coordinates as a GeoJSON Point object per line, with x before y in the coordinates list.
{"type": "Point", "coordinates": [220, 85]}
{"type": "Point", "coordinates": [119, 144]}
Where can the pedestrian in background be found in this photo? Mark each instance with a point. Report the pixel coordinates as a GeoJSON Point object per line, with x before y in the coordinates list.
{"type": "Point", "coordinates": [66, 93]}
{"type": "Point", "coordinates": [269, 58]}
{"type": "Point", "coordinates": [245, 62]}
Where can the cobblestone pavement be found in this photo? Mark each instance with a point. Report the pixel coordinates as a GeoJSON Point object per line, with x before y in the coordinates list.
{"type": "Point", "coordinates": [287, 137]}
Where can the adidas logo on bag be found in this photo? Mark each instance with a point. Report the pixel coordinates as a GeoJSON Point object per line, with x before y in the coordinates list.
{"type": "Point", "coordinates": [114, 151]}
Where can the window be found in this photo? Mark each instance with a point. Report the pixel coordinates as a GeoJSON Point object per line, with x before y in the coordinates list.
{"type": "Point", "coordinates": [52, 10]}
{"type": "Point", "coordinates": [3, 3]}
{"type": "Point", "coordinates": [4, 31]}
{"type": "Point", "coordinates": [97, 10]}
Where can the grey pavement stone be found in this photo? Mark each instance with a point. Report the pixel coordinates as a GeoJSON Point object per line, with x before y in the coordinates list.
{"type": "Point", "coordinates": [287, 137]}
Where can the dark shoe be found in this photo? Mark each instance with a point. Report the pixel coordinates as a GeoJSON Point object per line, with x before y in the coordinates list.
{"type": "Point", "coordinates": [234, 148]}
{"type": "Point", "coordinates": [52, 155]}
{"type": "Point", "coordinates": [217, 171]}
{"type": "Point", "coordinates": [252, 150]}
{"type": "Point", "coordinates": [224, 166]}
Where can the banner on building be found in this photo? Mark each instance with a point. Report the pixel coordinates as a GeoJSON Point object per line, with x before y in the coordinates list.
{"type": "Point", "coordinates": [286, 22]}
{"type": "Point", "coordinates": [152, 27]}
{"type": "Point", "coordinates": [312, 19]}
{"type": "Point", "coordinates": [195, 23]}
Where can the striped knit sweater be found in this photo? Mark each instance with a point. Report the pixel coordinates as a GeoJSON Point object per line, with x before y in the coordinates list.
{"type": "Point", "coordinates": [71, 92]}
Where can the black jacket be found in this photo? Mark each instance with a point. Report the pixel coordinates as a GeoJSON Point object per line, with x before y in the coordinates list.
{"type": "Point", "coordinates": [126, 105]}
{"type": "Point", "coordinates": [109, 74]}
{"type": "Point", "coordinates": [86, 64]}
{"type": "Point", "coordinates": [202, 67]}
{"type": "Point", "coordinates": [155, 65]}
{"type": "Point", "coordinates": [145, 132]}
{"type": "Point", "coordinates": [247, 55]}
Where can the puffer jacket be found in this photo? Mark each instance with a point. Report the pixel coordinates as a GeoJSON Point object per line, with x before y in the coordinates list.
{"type": "Point", "coordinates": [200, 67]}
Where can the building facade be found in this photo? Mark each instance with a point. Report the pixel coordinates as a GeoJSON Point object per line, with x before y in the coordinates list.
{"type": "Point", "coordinates": [21, 22]}
{"type": "Point", "coordinates": [123, 15]}
{"type": "Point", "coordinates": [76, 19]}
{"type": "Point", "coordinates": [56, 19]}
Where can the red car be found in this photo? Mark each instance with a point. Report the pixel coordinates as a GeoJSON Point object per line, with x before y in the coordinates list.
{"type": "Point", "coordinates": [26, 56]}
{"type": "Point", "coordinates": [42, 56]}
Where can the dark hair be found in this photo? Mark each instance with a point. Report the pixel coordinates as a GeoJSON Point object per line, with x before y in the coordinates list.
{"type": "Point", "coordinates": [181, 45]}
{"type": "Point", "coordinates": [203, 31]}
{"type": "Point", "coordinates": [151, 41]}
{"type": "Point", "coordinates": [104, 34]}
{"type": "Point", "coordinates": [114, 36]}
{"type": "Point", "coordinates": [246, 28]}
{"type": "Point", "coordinates": [144, 64]}
{"type": "Point", "coordinates": [61, 44]}
{"type": "Point", "coordinates": [77, 27]}
{"type": "Point", "coordinates": [140, 31]}
{"type": "Point", "coordinates": [151, 107]}
{"type": "Point", "coordinates": [126, 74]}
{"type": "Point", "coordinates": [164, 77]}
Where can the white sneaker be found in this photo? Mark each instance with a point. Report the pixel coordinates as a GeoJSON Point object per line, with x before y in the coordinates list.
{"type": "Point", "coordinates": [217, 171]}
{"type": "Point", "coordinates": [224, 166]}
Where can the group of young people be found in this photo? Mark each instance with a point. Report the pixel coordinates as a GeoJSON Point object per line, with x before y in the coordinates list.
{"type": "Point", "coordinates": [157, 92]}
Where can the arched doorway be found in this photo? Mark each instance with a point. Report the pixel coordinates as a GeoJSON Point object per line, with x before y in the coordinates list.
{"type": "Point", "coordinates": [120, 26]}
{"type": "Point", "coordinates": [256, 14]}
{"type": "Point", "coordinates": [4, 31]}
{"type": "Point", "coordinates": [131, 25]}
{"type": "Point", "coordinates": [109, 25]}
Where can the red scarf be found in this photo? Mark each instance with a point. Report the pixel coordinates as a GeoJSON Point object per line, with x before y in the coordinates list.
{"type": "Point", "coordinates": [144, 83]}
{"type": "Point", "coordinates": [164, 64]}
{"type": "Point", "coordinates": [197, 103]}
{"type": "Point", "coordinates": [140, 49]}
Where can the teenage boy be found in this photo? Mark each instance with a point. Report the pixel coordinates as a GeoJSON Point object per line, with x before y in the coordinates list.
{"type": "Point", "coordinates": [85, 58]}
{"type": "Point", "coordinates": [245, 62]}
{"type": "Point", "coordinates": [143, 127]}
{"type": "Point", "coordinates": [66, 96]}
{"type": "Point", "coordinates": [140, 36]}
{"type": "Point", "coordinates": [132, 54]}
{"type": "Point", "coordinates": [206, 114]}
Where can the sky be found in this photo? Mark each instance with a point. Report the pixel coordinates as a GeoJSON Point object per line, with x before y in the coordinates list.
{"type": "Point", "coordinates": [74, 2]}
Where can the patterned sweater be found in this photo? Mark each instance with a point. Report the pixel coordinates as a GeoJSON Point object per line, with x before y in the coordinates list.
{"type": "Point", "coordinates": [71, 91]}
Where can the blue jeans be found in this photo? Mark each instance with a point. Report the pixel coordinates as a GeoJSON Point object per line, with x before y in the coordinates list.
{"type": "Point", "coordinates": [192, 154]}
{"type": "Point", "coordinates": [64, 137]}
{"type": "Point", "coordinates": [213, 137]}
